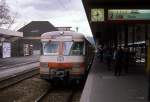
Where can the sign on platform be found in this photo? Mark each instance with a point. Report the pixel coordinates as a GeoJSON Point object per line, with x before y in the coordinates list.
{"type": "Point", "coordinates": [6, 48]}
{"type": "Point", "coordinates": [125, 14]}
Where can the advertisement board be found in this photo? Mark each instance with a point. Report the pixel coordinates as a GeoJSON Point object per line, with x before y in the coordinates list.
{"type": "Point", "coordinates": [125, 14]}
{"type": "Point", "coordinates": [6, 49]}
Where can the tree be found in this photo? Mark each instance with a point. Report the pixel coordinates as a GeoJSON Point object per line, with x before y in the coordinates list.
{"type": "Point", "coordinates": [5, 18]}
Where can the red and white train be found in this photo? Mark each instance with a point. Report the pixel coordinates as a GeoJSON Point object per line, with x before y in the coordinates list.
{"type": "Point", "coordinates": [66, 55]}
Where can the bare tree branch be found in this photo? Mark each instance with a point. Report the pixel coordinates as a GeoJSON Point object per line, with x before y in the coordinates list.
{"type": "Point", "coordinates": [5, 17]}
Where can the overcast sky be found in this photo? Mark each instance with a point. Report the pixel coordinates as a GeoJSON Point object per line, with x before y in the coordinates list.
{"type": "Point", "coordinates": [58, 12]}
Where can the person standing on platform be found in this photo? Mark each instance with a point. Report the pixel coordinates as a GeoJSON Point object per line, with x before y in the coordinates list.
{"type": "Point", "coordinates": [100, 50]}
{"type": "Point", "coordinates": [126, 60]}
{"type": "Point", "coordinates": [108, 58]}
{"type": "Point", "coordinates": [118, 61]}
{"type": "Point", "coordinates": [114, 57]}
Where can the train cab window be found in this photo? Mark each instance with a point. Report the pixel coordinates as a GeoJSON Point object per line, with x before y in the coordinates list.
{"type": "Point", "coordinates": [67, 47]}
{"type": "Point", "coordinates": [73, 48]}
{"type": "Point", "coordinates": [51, 48]}
{"type": "Point", "coordinates": [77, 48]}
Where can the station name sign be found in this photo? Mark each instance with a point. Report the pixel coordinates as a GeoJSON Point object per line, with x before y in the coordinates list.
{"type": "Point", "coordinates": [126, 14]}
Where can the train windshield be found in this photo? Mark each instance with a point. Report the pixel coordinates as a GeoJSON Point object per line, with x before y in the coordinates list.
{"type": "Point", "coordinates": [73, 48]}
{"type": "Point", "coordinates": [70, 48]}
{"type": "Point", "coordinates": [51, 48]}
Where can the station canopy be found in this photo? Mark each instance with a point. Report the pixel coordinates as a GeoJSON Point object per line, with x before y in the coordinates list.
{"type": "Point", "coordinates": [119, 3]}
{"type": "Point", "coordinates": [8, 33]}
{"type": "Point", "coordinates": [113, 19]}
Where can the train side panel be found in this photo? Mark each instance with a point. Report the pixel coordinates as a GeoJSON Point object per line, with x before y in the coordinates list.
{"type": "Point", "coordinates": [89, 55]}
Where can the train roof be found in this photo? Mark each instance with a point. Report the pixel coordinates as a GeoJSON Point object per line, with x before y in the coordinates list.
{"type": "Point", "coordinates": [48, 35]}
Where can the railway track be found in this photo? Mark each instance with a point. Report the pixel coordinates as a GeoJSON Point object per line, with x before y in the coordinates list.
{"type": "Point", "coordinates": [8, 66]}
{"type": "Point", "coordinates": [76, 96]}
{"type": "Point", "coordinates": [13, 79]}
{"type": "Point", "coordinates": [60, 95]}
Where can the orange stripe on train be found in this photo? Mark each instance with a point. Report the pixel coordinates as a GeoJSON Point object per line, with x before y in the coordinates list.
{"type": "Point", "coordinates": [64, 65]}
{"type": "Point", "coordinates": [60, 65]}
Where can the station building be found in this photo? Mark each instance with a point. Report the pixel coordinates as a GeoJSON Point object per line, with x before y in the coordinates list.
{"type": "Point", "coordinates": [30, 44]}
{"type": "Point", "coordinates": [8, 38]}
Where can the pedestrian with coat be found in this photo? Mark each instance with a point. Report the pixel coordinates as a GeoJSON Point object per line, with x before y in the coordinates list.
{"type": "Point", "coordinates": [118, 61]}
{"type": "Point", "coordinates": [126, 59]}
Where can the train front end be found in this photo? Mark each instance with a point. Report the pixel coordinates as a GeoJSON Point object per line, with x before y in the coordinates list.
{"type": "Point", "coordinates": [63, 57]}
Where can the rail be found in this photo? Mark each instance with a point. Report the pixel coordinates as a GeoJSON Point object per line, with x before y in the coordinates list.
{"type": "Point", "coordinates": [10, 80]}
{"type": "Point", "coordinates": [58, 95]}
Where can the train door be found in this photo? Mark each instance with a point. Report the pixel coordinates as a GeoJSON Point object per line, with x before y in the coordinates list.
{"type": "Point", "coordinates": [148, 56]}
{"type": "Point", "coordinates": [1, 49]}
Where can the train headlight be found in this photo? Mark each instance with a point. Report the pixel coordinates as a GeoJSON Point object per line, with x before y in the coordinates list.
{"type": "Point", "coordinates": [78, 68]}
{"type": "Point", "coordinates": [44, 68]}
{"type": "Point", "coordinates": [44, 64]}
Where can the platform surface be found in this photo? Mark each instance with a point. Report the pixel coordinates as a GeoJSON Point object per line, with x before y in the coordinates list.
{"type": "Point", "coordinates": [102, 86]}
{"type": "Point", "coordinates": [17, 61]}
{"type": "Point", "coordinates": [12, 66]}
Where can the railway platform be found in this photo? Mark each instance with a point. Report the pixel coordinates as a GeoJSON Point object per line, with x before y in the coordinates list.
{"type": "Point", "coordinates": [102, 86]}
{"type": "Point", "coordinates": [14, 65]}
{"type": "Point", "coordinates": [4, 62]}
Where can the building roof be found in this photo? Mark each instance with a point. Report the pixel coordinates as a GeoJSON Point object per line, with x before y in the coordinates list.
{"type": "Point", "coordinates": [36, 28]}
{"type": "Point", "coordinates": [119, 3]}
{"type": "Point", "coordinates": [100, 1]}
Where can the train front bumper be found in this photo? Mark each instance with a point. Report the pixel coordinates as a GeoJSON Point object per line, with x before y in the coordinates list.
{"type": "Point", "coordinates": [47, 76]}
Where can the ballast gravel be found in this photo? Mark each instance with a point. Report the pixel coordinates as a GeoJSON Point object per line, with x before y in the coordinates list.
{"type": "Point", "coordinates": [24, 91]}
